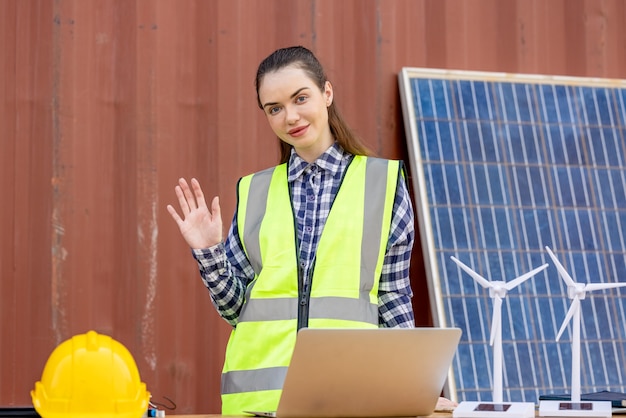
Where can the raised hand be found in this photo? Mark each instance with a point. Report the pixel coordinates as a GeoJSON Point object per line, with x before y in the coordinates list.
{"type": "Point", "coordinates": [199, 226]}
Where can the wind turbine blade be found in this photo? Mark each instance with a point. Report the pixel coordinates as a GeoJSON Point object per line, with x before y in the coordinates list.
{"type": "Point", "coordinates": [572, 309]}
{"type": "Point", "coordinates": [601, 286]}
{"type": "Point", "coordinates": [481, 280]}
{"type": "Point", "coordinates": [568, 279]}
{"type": "Point", "coordinates": [513, 283]}
{"type": "Point", "coordinates": [497, 318]}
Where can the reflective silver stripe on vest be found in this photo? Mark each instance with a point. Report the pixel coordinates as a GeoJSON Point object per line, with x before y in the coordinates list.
{"type": "Point", "coordinates": [269, 309]}
{"type": "Point", "coordinates": [351, 309]}
{"type": "Point", "coordinates": [321, 307]}
{"type": "Point", "coordinates": [257, 201]}
{"type": "Point", "coordinates": [327, 307]}
{"type": "Point", "coordinates": [253, 380]}
{"type": "Point", "coordinates": [375, 187]}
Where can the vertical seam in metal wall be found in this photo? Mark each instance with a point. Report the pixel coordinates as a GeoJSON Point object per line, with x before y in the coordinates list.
{"type": "Point", "coordinates": [313, 28]}
{"type": "Point", "coordinates": [379, 79]}
{"type": "Point", "coordinates": [57, 229]}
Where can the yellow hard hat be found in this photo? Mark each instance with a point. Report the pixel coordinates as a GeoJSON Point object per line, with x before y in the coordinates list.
{"type": "Point", "coordinates": [90, 375]}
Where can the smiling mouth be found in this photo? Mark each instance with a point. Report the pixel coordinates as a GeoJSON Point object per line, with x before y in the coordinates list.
{"type": "Point", "coordinates": [297, 131]}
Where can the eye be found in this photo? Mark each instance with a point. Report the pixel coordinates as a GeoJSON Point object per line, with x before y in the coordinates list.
{"type": "Point", "coordinates": [302, 98]}
{"type": "Point", "coordinates": [273, 110]}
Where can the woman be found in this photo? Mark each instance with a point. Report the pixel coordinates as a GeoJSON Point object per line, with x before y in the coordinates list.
{"type": "Point", "coordinates": [324, 239]}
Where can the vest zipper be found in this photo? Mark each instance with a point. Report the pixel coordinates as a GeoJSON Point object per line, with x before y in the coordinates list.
{"type": "Point", "coordinates": [304, 294]}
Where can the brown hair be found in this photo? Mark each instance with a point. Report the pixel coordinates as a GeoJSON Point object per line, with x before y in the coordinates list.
{"type": "Point", "coordinates": [304, 59]}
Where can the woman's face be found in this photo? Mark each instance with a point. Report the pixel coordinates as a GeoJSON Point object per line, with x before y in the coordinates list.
{"type": "Point", "coordinates": [297, 110]}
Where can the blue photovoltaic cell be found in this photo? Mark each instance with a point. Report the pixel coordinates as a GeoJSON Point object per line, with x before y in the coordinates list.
{"type": "Point", "coordinates": [504, 166]}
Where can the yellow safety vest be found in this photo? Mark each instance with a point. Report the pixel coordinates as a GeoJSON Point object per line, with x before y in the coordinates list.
{"type": "Point", "coordinates": [343, 288]}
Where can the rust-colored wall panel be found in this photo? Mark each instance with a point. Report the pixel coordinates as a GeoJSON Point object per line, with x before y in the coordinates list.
{"type": "Point", "coordinates": [106, 103]}
{"type": "Point", "coordinates": [26, 126]}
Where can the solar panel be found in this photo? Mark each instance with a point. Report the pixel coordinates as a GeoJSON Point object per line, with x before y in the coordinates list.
{"type": "Point", "coordinates": [502, 166]}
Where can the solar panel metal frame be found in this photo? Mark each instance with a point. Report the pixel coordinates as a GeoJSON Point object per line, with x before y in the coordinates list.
{"type": "Point", "coordinates": [547, 292]}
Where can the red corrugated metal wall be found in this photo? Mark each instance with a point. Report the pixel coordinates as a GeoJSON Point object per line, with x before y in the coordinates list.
{"type": "Point", "coordinates": [105, 103]}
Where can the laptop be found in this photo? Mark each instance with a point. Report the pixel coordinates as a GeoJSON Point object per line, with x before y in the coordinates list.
{"type": "Point", "coordinates": [384, 372]}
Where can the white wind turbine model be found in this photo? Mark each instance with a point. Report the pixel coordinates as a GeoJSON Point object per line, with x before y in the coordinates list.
{"type": "Point", "coordinates": [497, 291]}
{"type": "Point", "coordinates": [576, 292]}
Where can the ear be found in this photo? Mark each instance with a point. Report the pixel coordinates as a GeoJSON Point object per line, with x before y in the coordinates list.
{"type": "Point", "coordinates": [328, 93]}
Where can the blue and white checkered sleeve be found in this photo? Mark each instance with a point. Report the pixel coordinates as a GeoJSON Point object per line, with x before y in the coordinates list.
{"type": "Point", "coordinates": [226, 272]}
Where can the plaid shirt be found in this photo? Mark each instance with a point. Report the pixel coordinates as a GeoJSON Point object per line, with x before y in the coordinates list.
{"type": "Point", "coordinates": [226, 271]}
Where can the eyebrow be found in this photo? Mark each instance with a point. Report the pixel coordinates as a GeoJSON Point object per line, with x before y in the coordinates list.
{"type": "Point", "coordinates": [291, 97]}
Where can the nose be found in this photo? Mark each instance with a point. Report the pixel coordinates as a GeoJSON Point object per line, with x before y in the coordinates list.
{"type": "Point", "coordinates": [291, 115]}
